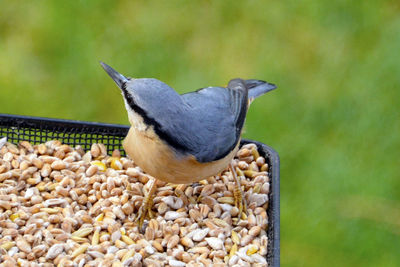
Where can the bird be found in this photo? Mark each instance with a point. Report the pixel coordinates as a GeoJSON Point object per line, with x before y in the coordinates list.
{"type": "Point", "coordinates": [184, 138]}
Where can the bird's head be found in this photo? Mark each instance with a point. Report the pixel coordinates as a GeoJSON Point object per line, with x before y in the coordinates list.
{"type": "Point", "coordinates": [142, 96]}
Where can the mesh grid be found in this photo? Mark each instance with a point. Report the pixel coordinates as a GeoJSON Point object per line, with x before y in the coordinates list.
{"type": "Point", "coordinates": [40, 130]}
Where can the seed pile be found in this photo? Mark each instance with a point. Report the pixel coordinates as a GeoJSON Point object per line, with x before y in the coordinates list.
{"type": "Point", "coordinates": [62, 206]}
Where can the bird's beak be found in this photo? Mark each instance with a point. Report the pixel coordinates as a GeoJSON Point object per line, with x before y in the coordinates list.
{"type": "Point", "coordinates": [118, 78]}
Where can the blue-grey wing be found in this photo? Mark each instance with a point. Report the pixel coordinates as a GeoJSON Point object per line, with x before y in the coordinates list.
{"type": "Point", "coordinates": [206, 123]}
{"type": "Point", "coordinates": [218, 114]}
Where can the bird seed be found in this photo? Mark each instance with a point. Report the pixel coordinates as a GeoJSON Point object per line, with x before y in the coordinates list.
{"type": "Point", "coordinates": [61, 206]}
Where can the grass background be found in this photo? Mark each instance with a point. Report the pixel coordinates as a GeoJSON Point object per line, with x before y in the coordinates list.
{"type": "Point", "coordinates": [335, 119]}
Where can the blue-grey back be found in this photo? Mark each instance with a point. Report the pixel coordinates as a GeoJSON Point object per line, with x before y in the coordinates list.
{"type": "Point", "coordinates": [206, 124]}
{"type": "Point", "coordinates": [214, 121]}
{"type": "Point", "coordinates": [200, 123]}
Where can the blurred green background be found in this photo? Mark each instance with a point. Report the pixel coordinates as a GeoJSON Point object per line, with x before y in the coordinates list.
{"type": "Point", "coordinates": [335, 119]}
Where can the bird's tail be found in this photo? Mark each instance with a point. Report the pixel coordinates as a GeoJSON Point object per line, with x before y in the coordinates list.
{"type": "Point", "coordinates": [257, 88]}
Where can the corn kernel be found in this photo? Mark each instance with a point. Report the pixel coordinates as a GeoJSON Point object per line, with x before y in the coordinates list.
{"type": "Point", "coordinates": [122, 230]}
{"type": "Point", "coordinates": [102, 167]}
{"type": "Point", "coordinates": [116, 164]}
{"type": "Point", "coordinates": [14, 216]}
{"type": "Point", "coordinates": [100, 217]}
{"type": "Point", "coordinates": [251, 250]}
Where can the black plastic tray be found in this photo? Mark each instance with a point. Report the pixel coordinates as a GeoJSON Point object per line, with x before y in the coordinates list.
{"type": "Point", "coordinates": [39, 130]}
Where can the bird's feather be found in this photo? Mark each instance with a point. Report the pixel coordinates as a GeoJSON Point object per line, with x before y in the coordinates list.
{"type": "Point", "coordinates": [258, 88]}
{"type": "Point", "coordinates": [239, 94]}
{"type": "Point", "coordinates": [206, 124]}
{"type": "Point", "coordinates": [220, 112]}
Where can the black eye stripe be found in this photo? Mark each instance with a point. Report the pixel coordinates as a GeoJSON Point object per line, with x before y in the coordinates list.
{"type": "Point", "coordinates": [149, 121]}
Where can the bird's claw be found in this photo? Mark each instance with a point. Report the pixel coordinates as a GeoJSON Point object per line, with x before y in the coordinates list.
{"type": "Point", "coordinates": [144, 212]}
{"type": "Point", "coordinates": [240, 202]}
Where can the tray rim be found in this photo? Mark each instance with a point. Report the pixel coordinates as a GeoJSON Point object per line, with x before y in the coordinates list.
{"type": "Point", "coordinates": [64, 122]}
{"type": "Point", "coordinates": [275, 196]}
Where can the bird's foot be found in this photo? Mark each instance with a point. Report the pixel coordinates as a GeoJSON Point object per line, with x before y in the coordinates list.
{"type": "Point", "coordinates": [240, 202]}
{"type": "Point", "coordinates": [145, 212]}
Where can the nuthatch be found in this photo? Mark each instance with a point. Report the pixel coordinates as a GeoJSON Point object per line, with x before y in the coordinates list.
{"type": "Point", "coordinates": [185, 138]}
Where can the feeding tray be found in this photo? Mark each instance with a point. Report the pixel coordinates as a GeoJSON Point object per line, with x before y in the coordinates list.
{"type": "Point", "coordinates": [37, 130]}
